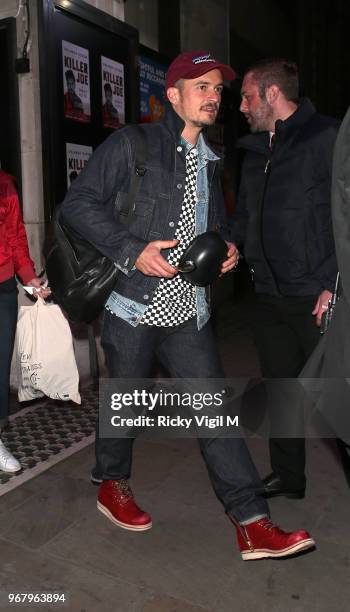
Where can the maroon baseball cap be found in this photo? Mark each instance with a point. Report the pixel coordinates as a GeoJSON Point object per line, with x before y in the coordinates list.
{"type": "Point", "coordinates": [192, 64]}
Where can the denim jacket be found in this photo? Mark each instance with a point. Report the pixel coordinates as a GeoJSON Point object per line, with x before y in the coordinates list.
{"type": "Point", "coordinates": [94, 206]}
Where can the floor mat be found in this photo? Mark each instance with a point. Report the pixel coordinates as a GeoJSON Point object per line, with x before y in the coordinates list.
{"type": "Point", "coordinates": [44, 435]}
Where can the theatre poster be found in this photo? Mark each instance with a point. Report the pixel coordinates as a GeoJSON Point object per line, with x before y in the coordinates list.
{"type": "Point", "coordinates": [152, 83]}
{"type": "Point", "coordinates": [77, 156]}
{"type": "Point", "coordinates": [113, 93]}
{"type": "Point", "coordinates": [76, 82]}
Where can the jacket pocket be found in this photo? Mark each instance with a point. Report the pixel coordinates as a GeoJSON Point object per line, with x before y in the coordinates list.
{"type": "Point", "coordinates": [141, 217]}
{"type": "Point", "coordinates": [292, 243]}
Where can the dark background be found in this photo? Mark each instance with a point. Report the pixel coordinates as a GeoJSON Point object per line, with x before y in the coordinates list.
{"type": "Point", "coordinates": [317, 39]}
{"type": "Point", "coordinates": [314, 33]}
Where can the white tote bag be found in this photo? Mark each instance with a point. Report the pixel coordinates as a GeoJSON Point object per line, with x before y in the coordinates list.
{"type": "Point", "coordinates": [45, 357]}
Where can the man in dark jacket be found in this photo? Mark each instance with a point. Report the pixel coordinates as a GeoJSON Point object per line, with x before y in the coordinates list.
{"type": "Point", "coordinates": [283, 223]}
{"type": "Point", "coordinates": [153, 311]}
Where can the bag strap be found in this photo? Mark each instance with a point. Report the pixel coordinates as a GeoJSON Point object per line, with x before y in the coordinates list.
{"type": "Point", "coordinates": [139, 171]}
{"type": "Point", "coordinates": [93, 357]}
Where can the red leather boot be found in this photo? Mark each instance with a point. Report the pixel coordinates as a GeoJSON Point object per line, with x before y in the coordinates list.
{"type": "Point", "coordinates": [263, 539]}
{"type": "Point", "coordinates": [116, 501]}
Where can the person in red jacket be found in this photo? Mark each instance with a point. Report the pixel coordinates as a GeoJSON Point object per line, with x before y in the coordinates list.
{"type": "Point", "coordinates": [14, 260]}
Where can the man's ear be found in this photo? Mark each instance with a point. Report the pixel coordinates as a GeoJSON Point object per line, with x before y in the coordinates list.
{"type": "Point", "coordinates": [173, 94]}
{"type": "Point", "coordinates": [272, 93]}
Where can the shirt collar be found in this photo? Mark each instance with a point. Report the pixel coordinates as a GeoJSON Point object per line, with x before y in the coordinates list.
{"type": "Point", "coordinates": [203, 150]}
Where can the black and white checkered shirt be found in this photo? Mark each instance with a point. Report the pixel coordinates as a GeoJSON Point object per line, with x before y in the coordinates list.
{"type": "Point", "coordinates": [174, 301]}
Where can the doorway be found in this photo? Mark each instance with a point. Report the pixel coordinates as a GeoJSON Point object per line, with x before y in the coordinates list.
{"type": "Point", "coordinates": [10, 154]}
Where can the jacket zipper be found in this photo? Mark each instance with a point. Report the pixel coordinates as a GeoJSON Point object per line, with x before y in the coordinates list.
{"type": "Point", "coordinates": [267, 172]}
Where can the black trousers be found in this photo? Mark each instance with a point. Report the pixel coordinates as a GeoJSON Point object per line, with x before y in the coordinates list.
{"type": "Point", "coordinates": [285, 335]}
{"type": "Point", "coordinates": [8, 322]}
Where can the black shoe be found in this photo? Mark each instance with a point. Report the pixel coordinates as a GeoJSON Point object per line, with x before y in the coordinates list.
{"type": "Point", "coordinates": [273, 486]}
{"type": "Point", "coordinates": [94, 478]}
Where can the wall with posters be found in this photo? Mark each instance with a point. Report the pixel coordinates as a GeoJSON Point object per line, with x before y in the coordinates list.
{"type": "Point", "coordinates": [89, 87]}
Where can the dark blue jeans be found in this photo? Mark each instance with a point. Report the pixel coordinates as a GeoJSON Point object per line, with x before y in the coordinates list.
{"type": "Point", "coordinates": [8, 321]}
{"type": "Point", "coordinates": [184, 352]}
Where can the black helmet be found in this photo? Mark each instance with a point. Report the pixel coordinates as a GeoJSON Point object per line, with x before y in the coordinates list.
{"type": "Point", "coordinates": [201, 263]}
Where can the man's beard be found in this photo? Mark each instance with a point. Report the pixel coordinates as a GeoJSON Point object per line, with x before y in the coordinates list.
{"type": "Point", "coordinates": [260, 121]}
{"type": "Point", "coordinates": [203, 124]}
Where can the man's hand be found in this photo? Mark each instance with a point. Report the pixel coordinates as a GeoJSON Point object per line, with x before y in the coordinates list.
{"type": "Point", "coordinates": [232, 258]}
{"type": "Point", "coordinates": [151, 263]}
{"type": "Point", "coordinates": [41, 291]}
{"type": "Point", "coordinates": [321, 305]}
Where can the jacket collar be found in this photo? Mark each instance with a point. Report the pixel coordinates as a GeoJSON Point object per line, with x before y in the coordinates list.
{"type": "Point", "coordinates": [302, 115]}
{"type": "Point", "coordinates": [175, 124]}
{"type": "Point", "coordinates": [260, 141]}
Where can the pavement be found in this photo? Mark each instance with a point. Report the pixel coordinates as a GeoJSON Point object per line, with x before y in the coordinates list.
{"type": "Point", "coordinates": [53, 539]}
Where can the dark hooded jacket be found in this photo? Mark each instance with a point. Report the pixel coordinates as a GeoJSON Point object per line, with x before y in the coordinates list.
{"type": "Point", "coordinates": [283, 219]}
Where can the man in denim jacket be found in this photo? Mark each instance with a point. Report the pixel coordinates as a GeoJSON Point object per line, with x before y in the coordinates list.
{"type": "Point", "coordinates": [153, 312]}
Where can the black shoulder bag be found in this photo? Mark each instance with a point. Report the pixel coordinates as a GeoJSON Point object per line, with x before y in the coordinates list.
{"type": "Point", "coordinates": [81, 277]}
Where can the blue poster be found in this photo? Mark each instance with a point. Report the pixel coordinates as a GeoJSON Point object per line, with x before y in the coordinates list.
{"type": "Point", "coordinates": [152, 94]}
